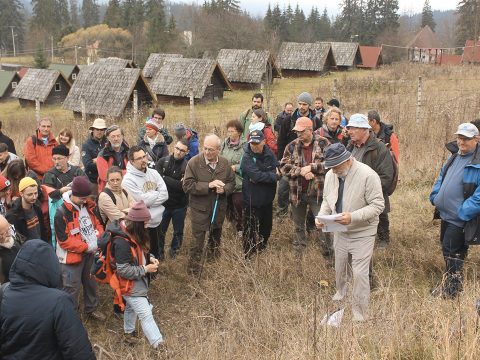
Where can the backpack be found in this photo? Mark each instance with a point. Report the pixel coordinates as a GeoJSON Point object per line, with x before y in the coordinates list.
{"type": "Point", "coordinates": [96, 210]}
{"type": "Point", "coordinates": [103, 263]}
{"type": "Point", "coordinates": [393, 185]}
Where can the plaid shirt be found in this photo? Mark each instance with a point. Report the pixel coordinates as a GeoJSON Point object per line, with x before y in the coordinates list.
{"type": "Point", "coordinates": [293, 161]}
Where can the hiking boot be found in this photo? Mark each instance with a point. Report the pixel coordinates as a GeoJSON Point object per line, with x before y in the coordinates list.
{"type": "Point", "coordinates": [96, 315]}
{"type": "Point", "coordinates": [131, 338]}
{"type": "Point", "coordinates": [382, 244]}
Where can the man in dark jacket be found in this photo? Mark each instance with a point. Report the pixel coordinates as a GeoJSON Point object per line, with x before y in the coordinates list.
{"type": "Point", "coordinates": [172, 169]}
{"type": "Point", "coordinates": [6, 140]}
{"type": "Point", "coordinates": [287, 111]}
{"type": "Point", "coordinates": [366, 148]}
{"type": "Point", "coordinates": [384, 132]}
{"type": "Point", "coordinates": [25, 214]}
{"type": "Point", "coordinates": [259, 170]}
{"type": "Point", "coordinates": [90, 149]}
{"type": "Point", "coordinates": [9, 246]}
{"type": "Point", "coordinates": [37, 320]}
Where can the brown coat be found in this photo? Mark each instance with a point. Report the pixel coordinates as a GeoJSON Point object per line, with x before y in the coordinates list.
{"type": "Point", "coordinates": [201, 198]}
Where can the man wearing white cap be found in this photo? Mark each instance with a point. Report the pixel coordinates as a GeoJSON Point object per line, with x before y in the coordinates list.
{"type": "Point", "coordinates": [365, 147]}
{"type": "Point", "coordinates": [90, 149]}
{"type": "Point", "coordinates": [456, 196]}
{"type": "Point", "coordinates": [354, 192]}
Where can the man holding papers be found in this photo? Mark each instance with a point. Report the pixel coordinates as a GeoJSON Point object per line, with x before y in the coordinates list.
{"type": "Point", "coordinates": [353, 193]}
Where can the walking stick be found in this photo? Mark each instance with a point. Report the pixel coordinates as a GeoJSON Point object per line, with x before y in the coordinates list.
{"type": "Point", "coordinates": [204, 252]}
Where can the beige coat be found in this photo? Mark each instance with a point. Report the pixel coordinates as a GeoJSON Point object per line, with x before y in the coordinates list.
{"type": "Point", "coordinates": [362, 197]}
{"type": "Point", "coordinates": [111, 211]}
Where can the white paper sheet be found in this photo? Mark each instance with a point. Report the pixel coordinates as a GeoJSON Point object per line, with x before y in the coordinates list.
{"type": "Point", "coordinates": [329, 224]}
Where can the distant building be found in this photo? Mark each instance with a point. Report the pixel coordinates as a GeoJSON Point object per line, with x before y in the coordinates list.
{"type": "Point", "coordinates": [424, 47]}
{"type": "Point", "coordinates": [471, 52]}
{"type": "Point", "coordinates": [371, 57]}
{"type": "Point", "coordinates": [70, 71]}
{"type": "Point", "coordinates": [248, 69]}
{"type": "Point", "coordinates": [48, 86]}
{"type": "Point", "coordinates": [116, 62]}
{"type": "Point", "coordinates": [8, 82]}
{"type": "Point", "coordinates": [305, 59]}
{"type": "Point", "coordinates": [179, 78]}
{"type": "Point", "coordinates": [346, 54]}
{"type": "Point", "coordinates": [108, 92]}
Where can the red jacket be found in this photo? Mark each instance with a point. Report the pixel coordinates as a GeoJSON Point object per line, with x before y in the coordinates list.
{"type": "Point", "coordinates": [106, 159]}
{"type": "Point", "coordinates": [70, 245]}
{"type": "Point", "coordinates": [38, 156]}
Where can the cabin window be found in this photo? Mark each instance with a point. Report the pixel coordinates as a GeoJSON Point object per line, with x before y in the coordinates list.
{"type": "Point", "coordinates": [74, 76]}
{"type": "Point", "coordinates": [14, 84]}
{"type": "Point", "coordinates": [57, 87]}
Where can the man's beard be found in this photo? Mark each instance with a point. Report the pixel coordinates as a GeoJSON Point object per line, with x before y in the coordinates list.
{"type": "Point", "coordinates": [9, 242]}
{"type": "Point", "coordinates": [256, 107]}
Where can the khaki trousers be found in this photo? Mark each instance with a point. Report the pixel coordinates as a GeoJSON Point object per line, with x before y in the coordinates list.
{"type": "Point", "coordinates": [360, 250]}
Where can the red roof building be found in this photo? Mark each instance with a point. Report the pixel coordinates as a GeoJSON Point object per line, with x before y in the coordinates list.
{"type": "Point", "coordinates": [371, 57]}
{"type": "Point", "coordinates": [447, 59]}
{"type": "Point", "coordinates": [471, 52]}
{"type": "Point", "coordinates": [424, 47]}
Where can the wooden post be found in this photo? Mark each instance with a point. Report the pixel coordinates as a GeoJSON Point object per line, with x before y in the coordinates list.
{"type": "Point", "coordinates": [419, 99]}
{"type": "Point", "coordinates": [192, 107]}
{"type": "Point", "coordinates": [76, 55]}
{"type": "Point", "coordinates": [335, 83]}
{"type": "Point", "coordinates": [135, 105]}
{"type": "Point", "coordinates": [37, 110]}
{"type": "Point", "coordinates": [84, 111]}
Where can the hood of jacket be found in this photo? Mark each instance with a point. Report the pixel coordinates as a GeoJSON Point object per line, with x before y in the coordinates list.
{"type": "Point", "coordinates": [387, 129]}
{"type": "Point", "coordinates": [191, 134]}
{"type": "Point", "coordinates": [452, 146]}
{"type": "Point", "coordinates": [134, 171]}
{"type": "Point", "coordinates": [71, 206]}
{"type": "Point", "coordinates": [226, 144]}
{"type": "Point", "coordinates": [116, 229]}
{"type": "Point", "coordinates": [36, 263]}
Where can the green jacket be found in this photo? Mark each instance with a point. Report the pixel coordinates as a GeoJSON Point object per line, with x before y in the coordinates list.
{"type": "Point", "coordinates": [246, 118]}
{"type": "Point", "coordinates": [234, 154]}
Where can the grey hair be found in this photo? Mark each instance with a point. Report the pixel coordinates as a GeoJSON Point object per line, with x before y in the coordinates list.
{"type": "Point", "coordinates": [113, 128]}
{"type": "Point", "coordinates": [219, 141]}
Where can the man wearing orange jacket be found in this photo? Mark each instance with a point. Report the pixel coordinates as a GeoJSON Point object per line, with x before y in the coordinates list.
{"type": "Point", "coordinates": [77, 229]}
{"type": "Point", "coordinates": [38, 148]}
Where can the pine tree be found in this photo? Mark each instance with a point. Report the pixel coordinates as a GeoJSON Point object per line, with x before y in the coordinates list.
{"type": "Point", "coordinates": [157, 26]}
{"type": "Point", "coordinates": [427, 16]}
{"type": "Point", "coordinates": [324, 26]}
{"type": "Point", "coordinates": [42, 20]}
{"type": "Point", "coordinates": [40, 59]}
{"type": "Point", "coordinates": [134, 14]}
{"type": "Point", "coordinates": [348, 24]}
{"type": "Point", "coordinates": [11, 14]}
{"type": "Point", "coordinates": [90, 13]}
{"type": "Point", "coordinates": [74, 14]}
{"type": "Point", "coordinates": [113, 14]}
{"type": "Point", "coordinates": [313, 22]}
{"type": "Point", "coordinates": [468, 21]}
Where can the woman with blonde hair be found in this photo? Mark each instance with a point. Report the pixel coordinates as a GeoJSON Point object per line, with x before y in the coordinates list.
{"type": "Point", "coordinates": [65, 137]}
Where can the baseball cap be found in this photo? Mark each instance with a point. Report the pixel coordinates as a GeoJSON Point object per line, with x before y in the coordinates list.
{"type": "Point", "coordinates": [256, 137]}
{"type": "Point", "coordinates": [467, 129]}
{"type": "Point", "coordinates": [358, 121]}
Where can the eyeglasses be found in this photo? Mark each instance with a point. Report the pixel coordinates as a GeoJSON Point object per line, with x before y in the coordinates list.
{"type": "Point", "coordinates": [181, 150]}
{"type": "Point", "coordinates": [141, 158]}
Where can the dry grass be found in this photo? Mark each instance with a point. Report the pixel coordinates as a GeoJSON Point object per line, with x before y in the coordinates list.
{"type": "Point", "coordinates": [266, 308]}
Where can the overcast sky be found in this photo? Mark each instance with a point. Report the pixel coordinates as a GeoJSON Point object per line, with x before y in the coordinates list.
{"type": "Point", "coordinates": [259, 7]}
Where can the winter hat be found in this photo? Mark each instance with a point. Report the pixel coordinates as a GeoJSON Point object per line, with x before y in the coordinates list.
{"type": "Point", "coordinates": [335, 155]}
{"type": "Point", "coordinates": [98, 124]}
{"type": "Point", "coordinates": [257, 126]}
{"type": "Point", "coordinates": [468, 130]}
{"type": "Point", "coordinates": [358, 121]}
{"type": "Point", "coordinates": [256, 137]}
{"type": "Point", "coordinates": [81, 186]}
{"type": "Point", "coordinates": [179, 130]}
{"type": "Point", "coordinates": [4, 183]}
{"type": "Point", "coordinates": [150, 124]}
{"type": "Point", "coordinates": [138, 212]}
{"type": "Point", "coordinates": [306, 98]}
{"type": "Point", "coordinates": [333, 102]}
{"type": "Point", "coordinates": [61, 150]}
{"type": "Point", "coordinates": [26, 182]}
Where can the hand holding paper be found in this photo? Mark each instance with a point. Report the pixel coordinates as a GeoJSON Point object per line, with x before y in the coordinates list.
{"type": "Point", "coordinates": [331, 222]}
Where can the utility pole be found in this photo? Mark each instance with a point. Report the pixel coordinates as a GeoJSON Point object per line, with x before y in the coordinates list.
{"type": "Point", "coordinates": [13, 41]}
{"type": "Point", "coordinates": [76, 55]}
{"type": "Point", "coordinates": [51, 43]}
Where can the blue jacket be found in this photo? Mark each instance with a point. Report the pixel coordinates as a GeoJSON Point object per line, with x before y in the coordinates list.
{"type": "Point", "coordinates": [192, 138]}
{"type": "Point", "coordinates": [90, 150]}
{"type": "Point", "coordinates": [38, 320]}
{"type": "Point", "coordinates": [470, 208]}
{"type": "Point", "coordinates": [259, 172]}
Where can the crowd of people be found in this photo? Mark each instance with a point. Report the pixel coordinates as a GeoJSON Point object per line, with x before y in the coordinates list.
{"type": "Point", "coordinates": [325, 170]}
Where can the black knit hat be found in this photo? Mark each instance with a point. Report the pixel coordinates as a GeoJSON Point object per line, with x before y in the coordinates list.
{"type": "Point", "coordinates": [61, 150]}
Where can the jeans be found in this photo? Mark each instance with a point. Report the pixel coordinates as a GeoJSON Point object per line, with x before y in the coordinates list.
{"type": "Point", "coordinates": [139, 306]}
{"type": "Point", "coordinates": [299, 215]}
{"type": "Point", "coordinates": [257, 228]}
{"type": "Point", "coordinates": [283, 194]}
{"type": "Point", "coordinates": [178, 220]}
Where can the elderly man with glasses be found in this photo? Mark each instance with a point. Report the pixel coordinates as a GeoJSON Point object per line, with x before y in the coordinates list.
{"type": "Point", "coordinates": [208, 180]}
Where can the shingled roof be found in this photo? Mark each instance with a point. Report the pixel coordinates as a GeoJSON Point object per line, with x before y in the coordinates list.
{"type": "Point", "coordinates": [116, 62]}
{"type": "Point", "coordinates": [66, 69]}
{"type": "Point", "coordinates": [303, 56]}
{"type": "Point", "coordinates": [425, 39]}
{"type": "Point", "coordinates": [106, 90]}
{"type": "Point", "coordinates": [247, 66]}
{"type": "Point", "coordinates": [6, 79]}
{"type": "Point", "coordinates": [155, 61]}
{"type": "Point", "coordinates": [346, 53]}
{"type": "Point", "coordinates": [177, 77]}
{"type": "Point", "coordinates": [371, 56]}
{"type": "Point", "coordinates": [37, 84]}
